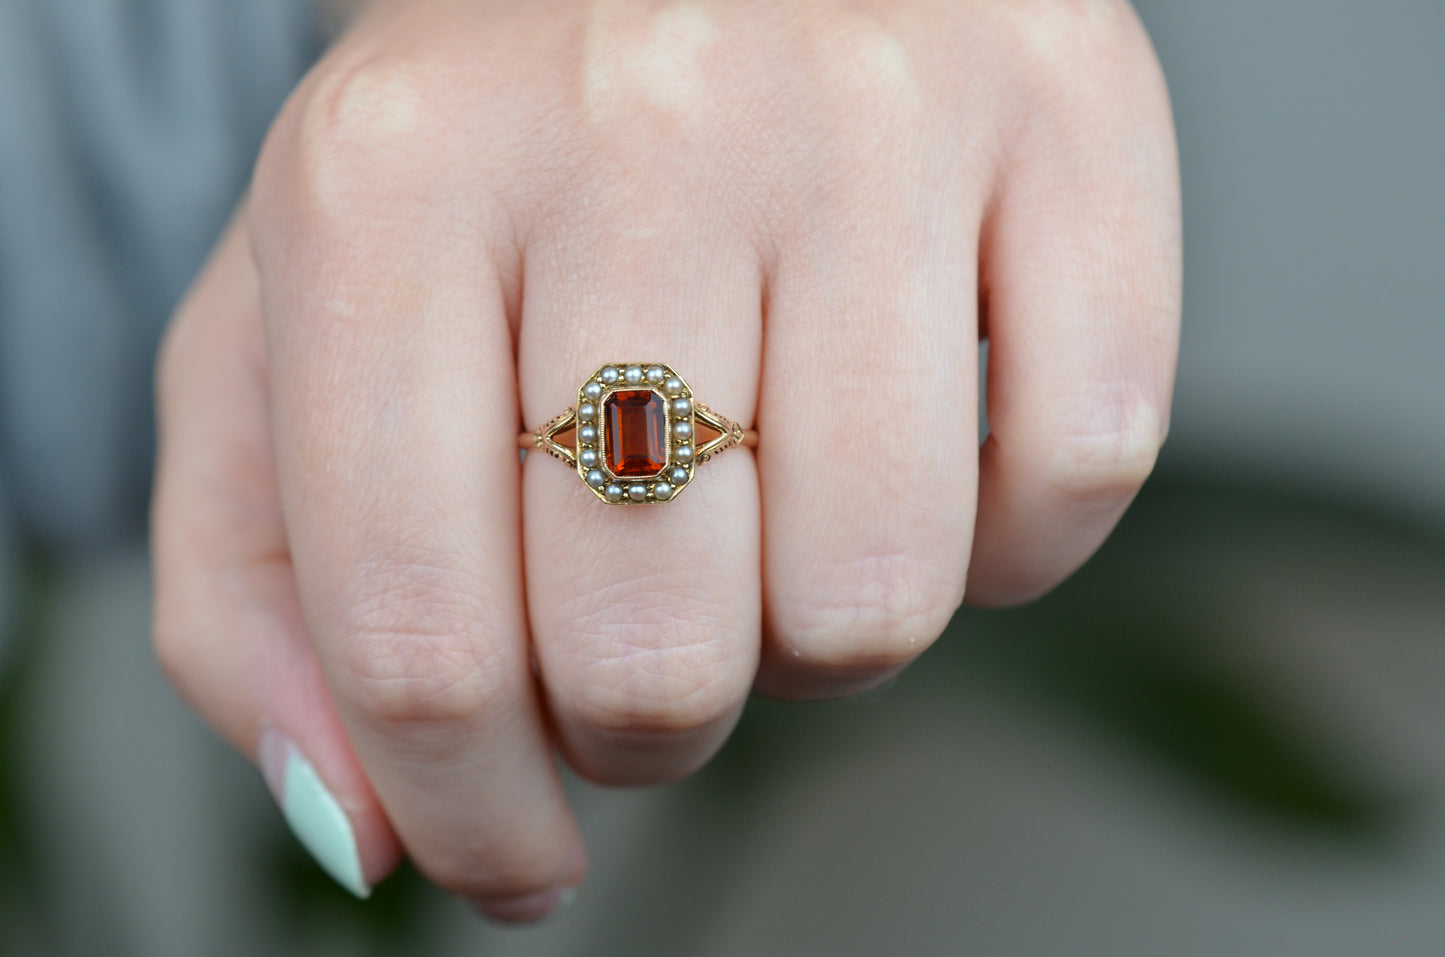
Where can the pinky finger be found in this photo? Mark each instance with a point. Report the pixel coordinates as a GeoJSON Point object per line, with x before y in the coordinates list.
{"type": "Point", "coordinates": [1082, 281]}
{"type": "Point", "coordinates": [228, 627]}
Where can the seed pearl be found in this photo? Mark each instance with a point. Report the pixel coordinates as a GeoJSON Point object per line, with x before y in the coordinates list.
{"type": "Point", "coordinates": [681, 406]}
{"type": "Point", "coordinates": [679, 476]}
{"type": "Point", "coordinates": [638, 493]}
{"type": "Point", "coordinates": [672, 386]}
{"type": "Point", "coordinates": [683, 453]}
{"type": "Point", "coordinates": [596, 479]}
{"type": "Point", "coordinates": [683, 429]}
{"type": "Point", "coordinates": [654, 375]}
{"type": "Point", "coordinates": [588, 412]}
{"type": "Point", "coordinates": [609, 375]}
{"type": "Point", "coordinates": [592, 390]}
{"type": "Point", "coordinates": [587, 434]}
{"type": "Point", "coordinates": [588, 458]}
{"type": "Point", "coordinates": [634, 374]}
{"type": "Point", "coordinates": [613, 493]}
{"type": "Point", "coordinates": [662, 491]}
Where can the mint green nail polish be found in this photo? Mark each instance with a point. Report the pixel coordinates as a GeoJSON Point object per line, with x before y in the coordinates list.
{"type": "Point", "coordinates": [312, 812]}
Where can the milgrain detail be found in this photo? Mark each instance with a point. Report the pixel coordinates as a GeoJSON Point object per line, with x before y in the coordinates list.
{"type": "Point", "coordinates": [544, 439]}
{"type": "Point", "coordinates": [730, 433]}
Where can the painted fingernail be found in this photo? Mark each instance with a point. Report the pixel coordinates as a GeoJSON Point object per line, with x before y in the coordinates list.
{"type": "Point", "coordinates": [312, 812]}
{"type": "Point", "coordinates": [526, 908]}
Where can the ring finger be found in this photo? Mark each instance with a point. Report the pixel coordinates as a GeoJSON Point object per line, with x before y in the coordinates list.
{"type": "Point", "coordinates": [645, 619]}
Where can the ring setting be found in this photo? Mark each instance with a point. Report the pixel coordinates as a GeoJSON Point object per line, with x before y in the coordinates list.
{"type": "Point", "coordinates": [637, 435]}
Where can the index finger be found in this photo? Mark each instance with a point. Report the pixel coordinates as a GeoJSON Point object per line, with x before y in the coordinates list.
{"type": "Point", "coordinates": [395, 420]}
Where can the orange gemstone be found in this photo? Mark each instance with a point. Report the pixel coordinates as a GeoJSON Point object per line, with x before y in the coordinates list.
{"type": "Point", "coordinates": [635, 424]}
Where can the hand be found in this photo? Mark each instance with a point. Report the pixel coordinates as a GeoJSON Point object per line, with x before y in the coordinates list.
{"type": "Point", "coordinates": [812, 210]}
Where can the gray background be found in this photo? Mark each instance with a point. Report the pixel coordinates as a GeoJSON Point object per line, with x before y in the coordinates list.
{"type": "Point", "coordinates": [1312, 137]}
{"type": "Point", "coordinates": [1224, 737]}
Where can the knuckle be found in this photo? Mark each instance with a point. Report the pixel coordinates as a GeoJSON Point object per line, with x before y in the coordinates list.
{"type": "Point", "coordinates": [661, 66]}
{"type": "Point", "coordinates": [866, 99]}
{"type": "Point", "coordinates": [673, 671]}
{"type": "Point", "coordinates": [398, 676]}
{"type": "Point", "coordinates": [1092, 465]}
{"type": "Point", "coordinates": [871, 614]}
{"type": "Point", "coordinates": [491, 868]}
{"type": "Point", "coordinates": [414, 650]}
{"type": "Point", "coordinates": [1069, 26]}
{"type": "Point", "coordinates": [377, 109]}
{"type": "Point", "coordinates": [450, 869]}
{"type": "Point", "coordinates": [1074, 49]}
{"type": "Point", "coordinates": [372, 127]}
{"type": "Point", "coordinates": [869, 72]}
{"type": "Point", "coordinates": [653, 690]}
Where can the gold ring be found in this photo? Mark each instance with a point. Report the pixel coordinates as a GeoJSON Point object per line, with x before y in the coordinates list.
{"type": "Point", "coordinates": [636, 434]}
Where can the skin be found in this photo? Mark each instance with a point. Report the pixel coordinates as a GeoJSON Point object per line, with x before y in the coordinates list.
{"type": "Point", "coordinates": [814, 210]}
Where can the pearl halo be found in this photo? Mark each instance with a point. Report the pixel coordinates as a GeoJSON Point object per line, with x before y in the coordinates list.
{"type": "Point", "coordinates": [594, 464]}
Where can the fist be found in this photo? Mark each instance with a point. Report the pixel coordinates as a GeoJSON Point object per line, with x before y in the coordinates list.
{"type": "Point", "coordinates": [815, 211]}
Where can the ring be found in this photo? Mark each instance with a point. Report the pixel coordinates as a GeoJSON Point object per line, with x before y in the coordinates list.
{"type": "Point", "coordinates": [637, 435]}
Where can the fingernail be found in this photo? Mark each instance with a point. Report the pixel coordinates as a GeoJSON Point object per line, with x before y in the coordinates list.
{"type": "Point", "coordinates": [312, 812]}
{"type": "Point", "coordinates": [526, 908]}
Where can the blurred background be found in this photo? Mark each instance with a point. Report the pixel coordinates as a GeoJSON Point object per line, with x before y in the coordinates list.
{"type": "Point", "coordinates": [1226, 735]}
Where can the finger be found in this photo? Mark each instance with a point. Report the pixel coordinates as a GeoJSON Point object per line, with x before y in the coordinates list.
{"type": "Point", "coordinates": [868, 451]}
{"type": "Point", "coordinates": [228, 629]}
{"type": "Point", "coordinates": [1082, 284]}
{"type": "Point", "coordinates": [395, 419]}
{"type": "Point", "coordinates": [645, 618]}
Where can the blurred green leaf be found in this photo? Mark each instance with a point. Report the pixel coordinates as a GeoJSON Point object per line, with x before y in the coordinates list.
{"type": "Point", "coordinates": [18, 857]}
